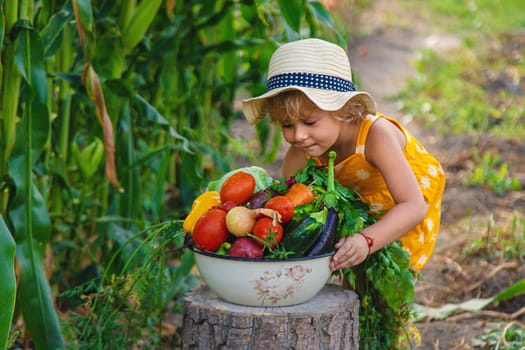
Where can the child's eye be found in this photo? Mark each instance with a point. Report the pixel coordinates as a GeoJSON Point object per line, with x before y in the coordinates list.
{"type": "Point", "coordinates": [286, 126]}
{"type": "Point", "coordinates": [309, 122]}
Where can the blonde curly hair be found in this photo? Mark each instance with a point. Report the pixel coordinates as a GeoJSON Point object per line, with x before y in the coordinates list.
{"type": "Point", "coordinates": [287, 107]}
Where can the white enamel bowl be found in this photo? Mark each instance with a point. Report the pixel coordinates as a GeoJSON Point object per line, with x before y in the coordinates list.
{"type": "Point", "coordinates": [263, 282]}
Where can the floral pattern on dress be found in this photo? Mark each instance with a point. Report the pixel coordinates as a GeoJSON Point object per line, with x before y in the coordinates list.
{"type": "Point", "coordinates": [425, 182]}
{"type": "Point", "coordinates": [362, 174]}
{"type": "Point", "coordinates": [422, 260]}
{"type": "Point", "coordinates": [432, 170]}
{"type": "Point", "coordinates": [376, 207]}
{"type": "Point", "coordinates": [274, 287]}
{"type": "Point", "coordinates": [430, 224]}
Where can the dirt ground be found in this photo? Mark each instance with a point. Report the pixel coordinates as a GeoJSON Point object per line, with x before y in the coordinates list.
{"type": "Point", "coordinates": [381, 54]}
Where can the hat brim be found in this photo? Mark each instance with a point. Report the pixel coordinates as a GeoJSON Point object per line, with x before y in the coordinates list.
{"type": "Point", "coordinates": [326, 100]}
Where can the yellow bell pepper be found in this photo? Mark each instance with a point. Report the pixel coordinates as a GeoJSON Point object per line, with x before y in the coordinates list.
{"type": "Point", "coordinates": [200, 205]}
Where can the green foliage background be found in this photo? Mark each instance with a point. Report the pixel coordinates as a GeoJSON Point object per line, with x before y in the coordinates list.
{"type": "Point", "coordinates": [107, 110]}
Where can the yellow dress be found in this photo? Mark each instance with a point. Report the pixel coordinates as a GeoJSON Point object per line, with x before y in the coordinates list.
{"type": "Point", "coordinates": [357, 174]}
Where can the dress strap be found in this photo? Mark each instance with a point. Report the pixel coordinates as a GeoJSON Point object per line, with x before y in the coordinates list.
{"type": "Point", "coordinates": [362, 134]}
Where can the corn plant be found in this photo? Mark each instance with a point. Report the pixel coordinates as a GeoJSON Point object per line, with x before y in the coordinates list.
{"type": "Point", "coordinates": [7, 275]}
{"type": "Point", "coordinates": [105, 108]}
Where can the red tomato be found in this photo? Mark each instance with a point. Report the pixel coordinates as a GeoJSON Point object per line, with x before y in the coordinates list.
{"type": "Point", "coordinates": [264, 227]}
{"type": "Point", "coordinates": [238, 187]}
{"type": "Point", "coordinates": [210, 230]}
{"type": "Point", "coordinates": [283, 205]}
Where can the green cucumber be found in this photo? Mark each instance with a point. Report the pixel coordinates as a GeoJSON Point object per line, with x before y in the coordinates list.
{"type": "Point", "coordinates": [326, 240]}
{"type": "Point", "coordinates": [302, 236]}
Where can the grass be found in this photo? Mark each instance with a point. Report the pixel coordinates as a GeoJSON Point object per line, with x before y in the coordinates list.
{"type": "Point", "coordinates": [509, 337]}
{"type": "Point", "coordinates": [476, 88]}
{"type": "Point", "coordinates": [482, 17]}
{"type": "Point", "coordinates": [505, 241]}
{"type": "Point", "coordinates": [489, 171]}
{"type": "Point", "coordinates": [471, 18]}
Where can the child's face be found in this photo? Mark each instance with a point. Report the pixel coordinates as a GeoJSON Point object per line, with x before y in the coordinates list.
{"type": "Point", "coordinates": [315, 133]}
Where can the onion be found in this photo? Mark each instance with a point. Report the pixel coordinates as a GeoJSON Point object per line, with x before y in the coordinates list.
{"type": "Point", "coordinates": [240, 220]}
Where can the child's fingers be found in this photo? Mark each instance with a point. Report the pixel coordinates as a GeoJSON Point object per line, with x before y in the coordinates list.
{"type": "Point", "coordinates": [340, 243]}
{"type": "Point", "coordinates": [350, 252]}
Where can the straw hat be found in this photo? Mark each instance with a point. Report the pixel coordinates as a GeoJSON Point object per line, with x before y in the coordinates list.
{"type": "Point", "coordinates": [316, 67]}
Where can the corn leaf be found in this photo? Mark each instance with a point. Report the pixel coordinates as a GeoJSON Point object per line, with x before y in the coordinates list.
{"type": "Point", "coordinates": [139, 24]}
{"type": "Point", "coordinates": [8, 285]}
{"type": "Point", "coordinates": [85, 14]}
{"type": "Point", "coordinates": [292, 12]}
{"type": "Point", "coordinates": [28, 212]}
{"type": "Point", "coordinates": [323, 16]}
{"type": "Point", "coordinates": [130, 201]}
{"type": "Point", "coordinates": [52, 32]}
{"type": "Point", "coordinates": [472, 305]}
{"type": "Point", "coordinates": [153, 115]}
{"type": "Point", "coordinates": [512, 291]}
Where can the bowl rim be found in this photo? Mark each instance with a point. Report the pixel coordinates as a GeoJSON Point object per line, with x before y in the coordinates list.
{"type": "Point", "coordinates": [237, 258]}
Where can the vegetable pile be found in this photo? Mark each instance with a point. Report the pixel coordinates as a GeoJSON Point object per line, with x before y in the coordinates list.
{"type": "Point", "coordinates": [289, 218]}
{"type": "Point", "coordinates": [248, 214]}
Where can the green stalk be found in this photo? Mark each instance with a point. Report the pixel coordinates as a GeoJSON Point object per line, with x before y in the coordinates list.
{"type": "Point", "coordinates": [126, 13]}
{"type": "Point", "coordinates": [64, 61]}
{"type": "Point", "coordinates": [26, 10]}
{"type": "Point", "coordinates": [28, 212]}
{"type": "Point", "coordinates": [8, 285]}
{"type": "Point", "coordinates": [330, 197]}
{"type": "Point", "coordinates": [10, 93]}
{"type": "Point", "coordinates": [9, 89]}
{"type": "Point", "coordinates": [11, 14]}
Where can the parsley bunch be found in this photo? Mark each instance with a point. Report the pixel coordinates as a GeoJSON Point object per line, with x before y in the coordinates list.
{"type": "Point", "coordinates": [384, 282]}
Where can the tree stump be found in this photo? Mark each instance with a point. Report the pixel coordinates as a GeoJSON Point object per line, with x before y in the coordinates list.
{"type": "Point", "coordinates": [327, 321]}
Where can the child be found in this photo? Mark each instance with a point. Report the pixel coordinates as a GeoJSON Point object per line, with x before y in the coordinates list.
{"type": "Point", "coordinates": [311, 95]}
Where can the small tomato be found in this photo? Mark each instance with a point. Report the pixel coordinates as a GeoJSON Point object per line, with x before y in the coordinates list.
{"type": "Point", "coordinates": [237, 188]}
{"type": "Point", "coordinates": [283, 205]}
{"type": "Point", "coordinates": [265, 227]}
{"type": "Point", "coordinates": [210, 230]}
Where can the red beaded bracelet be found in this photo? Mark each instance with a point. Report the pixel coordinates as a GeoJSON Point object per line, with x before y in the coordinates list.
{"type": "Point", "coordinates": [369, 241]}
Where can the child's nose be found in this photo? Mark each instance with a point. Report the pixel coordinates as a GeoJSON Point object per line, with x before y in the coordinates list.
{"type": "Point", "coordinates": [300, 133]}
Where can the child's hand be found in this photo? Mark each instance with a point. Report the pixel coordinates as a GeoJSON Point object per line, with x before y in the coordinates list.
{"type": "Point", "coordinates": [350, 251]}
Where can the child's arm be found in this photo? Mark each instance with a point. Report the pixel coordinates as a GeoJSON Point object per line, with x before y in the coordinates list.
{"type": "Point", "coordinates": [384, 149]}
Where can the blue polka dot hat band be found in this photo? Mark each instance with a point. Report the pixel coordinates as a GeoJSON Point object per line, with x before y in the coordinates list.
{"type": "Point", "coordinates": [310, 80]}
{"type": "Point", "coordinates": [318, 68]}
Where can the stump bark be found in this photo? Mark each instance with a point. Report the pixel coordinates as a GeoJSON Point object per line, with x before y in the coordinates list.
{"type": "Point", "coordinates": [327, 321]}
